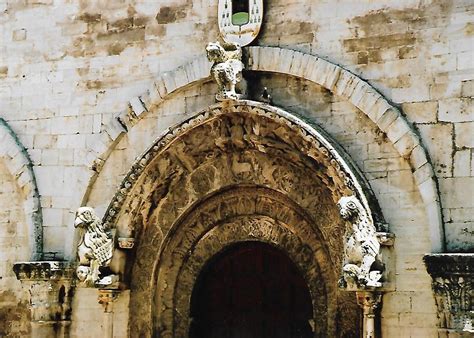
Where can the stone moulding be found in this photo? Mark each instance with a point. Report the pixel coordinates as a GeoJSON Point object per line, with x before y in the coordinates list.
{"type": "Point", "coordinates": [453, 286]}
{"type": "Point", "coordinates": [19, 163]}
{"type": "Point", "coordinates": [341, 163]}
{"type": "Point", "coordinates": [312, 68]}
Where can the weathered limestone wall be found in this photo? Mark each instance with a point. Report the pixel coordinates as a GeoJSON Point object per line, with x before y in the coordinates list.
{"type": "Point", "coordinates": [67, 68]}
{"type": "Point", "coordinates": [14, 315]}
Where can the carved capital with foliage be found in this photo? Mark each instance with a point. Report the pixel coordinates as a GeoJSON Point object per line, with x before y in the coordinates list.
{"type": "Point", "coordinates": [453, 282]}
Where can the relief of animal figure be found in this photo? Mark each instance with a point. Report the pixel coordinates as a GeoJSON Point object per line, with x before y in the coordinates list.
{"type": "Point", "coordinates": [226, 69]}
{"type": "Point", "coordinates": [361, 247]}
{"type": "Point", "coordinates": [95, 250]}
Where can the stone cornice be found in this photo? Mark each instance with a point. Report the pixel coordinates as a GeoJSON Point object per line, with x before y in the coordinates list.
{"type": "Point", "coordinates": [43, 270]}
{"type": "Point", "coordinates": [439, 265]}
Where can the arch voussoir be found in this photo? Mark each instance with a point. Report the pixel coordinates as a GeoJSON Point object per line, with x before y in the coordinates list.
{"type": "Point", "coordinates": [20, 167]}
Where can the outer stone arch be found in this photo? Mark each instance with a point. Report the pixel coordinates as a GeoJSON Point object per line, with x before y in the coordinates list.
{"type": "Point", "coordinates": [225, 148]}
{"type": "Point", "coordinates": [330, 76]}
{"type": "Point", "coordinates": [21, 168]}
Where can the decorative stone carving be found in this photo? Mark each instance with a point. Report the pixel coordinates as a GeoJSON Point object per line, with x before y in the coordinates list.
{"type": "Point", "coordinates": [227, 68]}
{"type": "Point", "coordinates": [95, 248]}
{"type": "Point", "coordinates": [361, 247]}
{"type": "Point", "coordinates": [453, 285]}
{"type": "Point", "coordinates": [225, 148]}
{"type": "Point", "coordinates": [239, 25]}
{"type": "Point", "coordinates": [49, 284]}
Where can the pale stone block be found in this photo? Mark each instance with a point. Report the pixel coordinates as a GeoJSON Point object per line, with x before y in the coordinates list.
{"type": "Point", "coordinates": [406, 144]}
{"type": "Point", "coordinates": [460, 237]}
{"type": "Point", "coordinates": [428, 191]}
{"type": "Point", "coordinates": [423, 173]}
{"type": "Point", "coordinates": [378, 109]}
{"type": "Point", "coordinates": [52, 217]}
{"type": "Point", "coordinates": [385, 164]}
{"type": "Point", "coordinates": [54, 240]}
{"type": "Point", "coordinates": [465, 60]}
{"type": "Point", "coordinates": [114, 129]}
{"type": "Point", "coordinates": [180, 77]}
{"type": "Point", "coordinates": [137, 106]}
{"type": "Point", "coordinates": [421, 112]}
{"type": "Point", "coordinates": [456, 110]}
{"type": "Point", "coordinates": [397, 129]}
{"type": "Point", "coordinates": [435, 221]}
{"type": "Point", "coordinates": [286, 60]}
{"type": "Point", "coordinates": [50, 179]}
{"type": "Point", "coordinates": [49, 157]}
{"type": "Point", "coordinates": [387, 118]}
{"type": "Point", "coordinates": [19, 35]}
{"type": "Point", "coordinates": [438, 139]}
{"type": "Point", "coordinates": [467, 88]}
{"type": "Point", "coordinates": [472, 163]}
{"type": "Point", "coordinates": [457, 192]}
{"type": "Point", "coordinates": [462, 163]}
{"type": "Point", "coordinates": [464, 134]}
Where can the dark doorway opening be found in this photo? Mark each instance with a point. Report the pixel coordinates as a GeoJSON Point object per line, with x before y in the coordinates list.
{"type": "Point", "coordinates": [251, 290]}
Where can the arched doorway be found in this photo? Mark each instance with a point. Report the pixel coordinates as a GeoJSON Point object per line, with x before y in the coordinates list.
{"type": "Point", "coordinates": [251, 289]}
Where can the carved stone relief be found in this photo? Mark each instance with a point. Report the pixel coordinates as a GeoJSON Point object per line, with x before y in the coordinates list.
{"type": "Point", "coordinates": [453, 285]}
{"type": "Point", "coordinates": [226, 69]}
{"type": "Point", "coordinates": [99, 264]}
{"type": "Point", "coordinates": [361, 247]}
{"type": "Point", "coordinates": [250, 160]}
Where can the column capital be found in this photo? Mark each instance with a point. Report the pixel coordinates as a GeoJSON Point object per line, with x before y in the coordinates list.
{"type": "Point", "coordinates": [369, 301]}
{"type": "Point", "coordinates": [49, 284]}
{"type": "Point", "coordinates": [452, 282]}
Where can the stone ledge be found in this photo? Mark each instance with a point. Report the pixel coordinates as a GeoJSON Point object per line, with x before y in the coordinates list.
{"type": "Point", "coordinates": [43, 270]}
{"type": "Point", "coordinates": [439, 265]}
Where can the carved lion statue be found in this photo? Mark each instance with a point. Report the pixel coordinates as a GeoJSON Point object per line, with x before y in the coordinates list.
{"type": "Point", "coordinates": [227, 68]}
{"type": "Point", "coordinates": [95, 248]}
{"type": "Point", "coordinates": [361, 246]}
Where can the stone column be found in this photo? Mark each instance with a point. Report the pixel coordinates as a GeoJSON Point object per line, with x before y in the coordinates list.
{"type": "Point", "coordinates": [50, 287]}
{"type": "Point", "coordinates": [107, 299]}
{"type": "Point", "coordinates": [453, 287]}
{"type": "Point", "coordinates": [369, 301]}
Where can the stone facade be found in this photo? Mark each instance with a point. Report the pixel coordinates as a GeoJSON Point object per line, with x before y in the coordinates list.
{"type": "Point", "coordinates": [88, 87]}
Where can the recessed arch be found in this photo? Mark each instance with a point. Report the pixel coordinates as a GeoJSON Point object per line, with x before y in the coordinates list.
{"type": "Point", "coordinates": [250, 158]}
{"type": "Point", "coordinates": [317, 70]}
{"type": "Point", "coordinates": [20, 166]}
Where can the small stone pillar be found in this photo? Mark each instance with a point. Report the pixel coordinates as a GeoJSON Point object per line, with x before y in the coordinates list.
{"type": "Point", "coordinates": [369, 301]}
{"type": "Point", "coordinates": [106, 299]}
{"type": "Point", "coordinates": [50, 286]}
{"type": "Point", "coordinates": [453, 287]}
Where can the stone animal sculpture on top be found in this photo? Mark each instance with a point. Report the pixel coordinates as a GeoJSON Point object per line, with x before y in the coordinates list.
{"type": "Point", "coordinates": [95, 249]}
{"type": "Point", "coordinates": [226, 69]}
{"type": "Point", "coordinates": [361, 246]}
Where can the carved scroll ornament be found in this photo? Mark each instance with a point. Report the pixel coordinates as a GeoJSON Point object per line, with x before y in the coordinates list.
{"type": "Point", "coordinates": [227, 68]}
{"type": "Point", "coordinates": [361, 247]}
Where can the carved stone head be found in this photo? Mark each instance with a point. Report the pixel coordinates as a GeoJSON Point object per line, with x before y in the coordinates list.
{"type": "Point", "coordinates": [215, 52]}
{"type": "Point", "coordinates": [348, 207]}
{"type": "Point", "coordinates": [82, 272]}
{"type": "Point", "coordinates": [84, 217]}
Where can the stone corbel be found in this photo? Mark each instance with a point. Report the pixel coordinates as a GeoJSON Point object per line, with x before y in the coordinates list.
{"type": "Point", "coordinates": [453, 284]}
{"type": "Point", "coordinates": [50, 285]}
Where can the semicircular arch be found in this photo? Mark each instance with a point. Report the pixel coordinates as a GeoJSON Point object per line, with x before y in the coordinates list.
{"type": "Point", "coordinates": [319, 71]}
{"type": "Point", "coordinates": [20, 166]}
